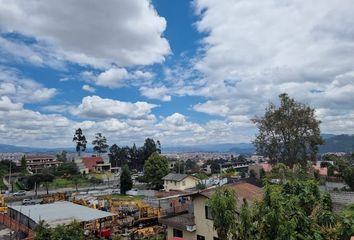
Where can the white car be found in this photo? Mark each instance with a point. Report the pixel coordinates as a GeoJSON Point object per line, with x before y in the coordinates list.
{"type": "Point", "coordinates": [28, 202]}
{"type": "Point", "coordinates": [20, 193]}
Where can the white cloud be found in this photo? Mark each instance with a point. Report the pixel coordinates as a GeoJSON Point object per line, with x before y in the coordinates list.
{"type": "Point", "coordinates": [6, 104]}
{"type": "Point", "coordinates": [160, 93]}
{"type": "Point", "coordinates": [97, 107]}
{"type": "Point", "coordinates": [126, 33]}
{"type": "Point", "coordinates": [113, 77]}
{"type": "Point", "coordinates": [88, 88]}
{"type": "Point", "coordinates": [250, 54]}
{"type": "Point", "coordinates": [22, 89]}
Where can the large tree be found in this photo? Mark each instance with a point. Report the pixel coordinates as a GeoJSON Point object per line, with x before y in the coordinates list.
{"type": "Point", "coordinates": [289, 133]}
{"type": "Point", "coordinates": [80, 141]}
{"type": "Point", "coordinates": [222, 205]}
{"type": "Point", "coordinates": [155, 168]}
{"type": "Point", "coordinates": [126, 182]}
{"type": "Point", "coordinates": [100, 144]}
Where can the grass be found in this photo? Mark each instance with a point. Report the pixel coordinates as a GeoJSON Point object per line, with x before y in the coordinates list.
{"type": "Point", "coordinates": [126, 197]}
{"type": "Point", "coordinates": [64, 182]}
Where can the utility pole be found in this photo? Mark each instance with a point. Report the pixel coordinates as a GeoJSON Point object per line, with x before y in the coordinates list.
{"type": "Point", "coordinates": [10, 177]}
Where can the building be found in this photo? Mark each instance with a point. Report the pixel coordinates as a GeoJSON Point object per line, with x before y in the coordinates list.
{"type": "Point", "coordinates": [36, 163]}
{"type": "Point", "coordinates": [94, 163]}
{"type": "Point", "coordinates": [197, 222]}
{"type": "Point", "coordinates": [60, 213]}
{"type": "Point", "coordinates": [176, 181]}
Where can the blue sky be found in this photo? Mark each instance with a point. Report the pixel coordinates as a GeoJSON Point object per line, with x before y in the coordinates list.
{"type": "Point", "coordinates": [184, 72]}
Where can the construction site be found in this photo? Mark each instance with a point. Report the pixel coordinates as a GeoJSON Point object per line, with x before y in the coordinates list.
{"type": "Point", "coordinates": [129, 217]}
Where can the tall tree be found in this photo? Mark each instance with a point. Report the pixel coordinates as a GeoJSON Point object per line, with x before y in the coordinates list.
{"type": "Point", "coordinates": [23, 164]}
{"type": "Point", "coordinates": [100, 144]}
{"type": "Point", "coordinates": [114, 159]}
{"type": "Point", "coordinates": [150, 147]}
{"type": "Point", "coordinates": [155, 168]}
{"type": "Point", "coordinates": [126, 182]}
{"type": "Point", "coordinates": [80, 141]}
{"type": "Point", "coordinates": [222, 205]}
{"type": "Point", "coordinates": [289, 133]}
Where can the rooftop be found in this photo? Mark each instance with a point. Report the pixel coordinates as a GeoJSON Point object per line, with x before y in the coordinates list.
{"type": "Point", "coordinates": [180, 222]}
{"type": "Point", "coordinates": [175, 177]}
{"type": "Point", "coordinates": [60, 213]}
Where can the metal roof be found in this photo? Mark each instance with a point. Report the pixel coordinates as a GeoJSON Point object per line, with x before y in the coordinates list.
{"type": "Point", "coordinates": [60, 213]}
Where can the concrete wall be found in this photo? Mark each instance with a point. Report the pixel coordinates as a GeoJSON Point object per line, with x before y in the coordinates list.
{"type": "Point", "coordinates": [188, 182]}
{"type": "Point", "coordinates": [204, 226]}
{"type": "Point", "coordinates": [187, 235]}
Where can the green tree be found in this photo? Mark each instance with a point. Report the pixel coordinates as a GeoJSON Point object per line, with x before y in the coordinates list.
{"type": "Point", "coordinates": [42, 231]}
{"type": "Point", "coordinates": [62, 157]}
{"type": "Point", "coordinates": [126, 182]}
{"type": "Point", "coordinates": [80, 141]}
{"type": "Point", "coordinates": [179, 167]}
{"type": "Point", "coordinates": [66, 169]}
{"type": "Point", "coordinates": [215, 167]}
{"type": "Point", "coordinates": [100, 144]}
{"type": "Point", "coordinates": [192, 166]}
{"type": "Point", "coordinates": [47, 178]}
{"type": "Point", "coordinates": [24, 164]}
{"type": "Point", "coordinates": [155, 168]}
{"type": "Point", "coordinates": [289, 133]}
{"type": "Point", "coordinates": [72, 231]}
{"type": "Point", "coordinates": [222, 205]}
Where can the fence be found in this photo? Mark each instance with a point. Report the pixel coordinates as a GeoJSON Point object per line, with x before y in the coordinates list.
{"type": "Point", "coordinates": [15, 226]}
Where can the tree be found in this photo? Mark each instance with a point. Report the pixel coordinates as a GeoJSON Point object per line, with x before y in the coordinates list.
{"type": "Point", "coordinates": [46, 178]}
{"type": "Point", "coordinates": [155, 168]}
{"type": "Point", "coordinates": [80, 141]}
{"type": "Point", "coordinates": [100, 144]}
{"type": "Point", "coordinates": [72, 231]}
{"type": "Point", "coordinates": [348, 177]}
{"type": "Point", "coordinates": [23, 164]}
{"type": "Point", "coordinates": [289, 133]}
{"type": "Point", "coordinates": [179, 167]}
{"type": "Point", "coordinates": [222, 205]}
{"type": "Point", "coordinates": [66, 169]}
{"type": "Point", "coordinates": [126, 182]}
{"type": "Point", "coordinates": [191, 166]}
{"type": "Point", "coordinates": [150, 147]}
{"type": "Point", "coordinates": [62, 157]}
{"type": "Point", "coordinates": [215, 167]}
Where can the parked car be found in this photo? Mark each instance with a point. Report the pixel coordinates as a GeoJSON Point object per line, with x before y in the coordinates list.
{"type": "Point", "coordinates": [19, 193]}
{"type": "Point", "coordinates": [28, 202]}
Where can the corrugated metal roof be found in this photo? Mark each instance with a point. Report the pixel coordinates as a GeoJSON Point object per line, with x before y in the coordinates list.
{"type": "Point", "coordinates": [60, 213]}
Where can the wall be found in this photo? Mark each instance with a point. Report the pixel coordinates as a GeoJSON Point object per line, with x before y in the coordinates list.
{"type": "Point", "coordinates": [186, 234]}
{"type": "Point", "coordinates": [189, 181]}
{"type": "Point", "coordinates": [204, 226]}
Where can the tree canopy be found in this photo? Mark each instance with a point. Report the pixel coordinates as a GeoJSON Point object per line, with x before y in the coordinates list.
{"type": "Point", "coordinates": [126, 182]}
{"type": "Point", "coordinates": [80, 141]}
{"type": "Point", "coordinates": [100, 144]}
{"type": "Point", "coordinates": [155, 168]}
{"type": "Point", "coordinates": [289, 133]}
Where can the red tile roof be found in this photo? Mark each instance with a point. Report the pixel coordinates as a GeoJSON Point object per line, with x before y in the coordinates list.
{"type": "Point", "coordinates": [91, 162]}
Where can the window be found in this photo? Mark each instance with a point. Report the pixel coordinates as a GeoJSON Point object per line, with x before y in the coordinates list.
{"type": "Point", "coordinates": [215, 238]}
{"type": "Point", "coordinates": [175, 183]}
{"type": "Point", "coordinates": [183, 183]}
{"type": "Point", "coordinates": [208, 214]}
{"type": "Point", "coordinates": [177, 233]}
{"type": "Point", "coordinates": [200, 237]}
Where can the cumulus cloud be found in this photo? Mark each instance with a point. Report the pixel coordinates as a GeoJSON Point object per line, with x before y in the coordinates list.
{"type": "Point", "coordinates": [88, 88]}
{"type": "Point", "coordinates": [160, 93]}
{"type": "Point", "coordinates": [97, 107]}
{"type": "Point", "coordinates": [250, 54]}
{"type": "Point", "coordinates": [126, 33]}
{"type": "Point", "coordinates": [22, 89]}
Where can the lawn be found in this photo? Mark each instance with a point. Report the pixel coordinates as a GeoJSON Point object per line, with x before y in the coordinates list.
{"type": "Point", "coordinates": [65, 182]}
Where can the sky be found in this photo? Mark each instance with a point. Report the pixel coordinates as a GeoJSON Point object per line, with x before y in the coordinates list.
{"type": "Point", "coordinates": [184, 72]}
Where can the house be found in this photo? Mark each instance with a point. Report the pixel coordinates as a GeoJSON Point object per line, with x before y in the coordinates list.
{"type": "Point", "coordinates": [94, 163]}
{"type": "Point", "coordinates": [197, 222]}
{"type": "Point", "coordinates": [176, 181]}
{"type": "Point", "coordinates": [36, 163]}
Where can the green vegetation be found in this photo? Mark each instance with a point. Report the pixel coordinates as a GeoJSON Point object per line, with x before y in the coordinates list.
{"type": "Point", "coordinates": [126, 182]}
{"type": "Point", "coordinates": [155, 168]}
{"type": "Point", "coordinates": [294, 209]}
{"type": "Point", "coordinates": [80, 141]}
{"type": "Point", "coordinates": [289, 133]}
{"type": "Point", "coordinates": [133, 156]}
{"type": "Point", "coordinates": [72, 231]}
{"type": "Point", "coordinates": [100, 144]}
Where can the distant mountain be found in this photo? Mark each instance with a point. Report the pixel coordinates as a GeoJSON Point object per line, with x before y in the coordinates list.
{"type": "Point", "coordinates": [338, 143]}
{"type": "Point", "coordinates": [244, 148]}
{"type": "Point", "coordinates": [13, 149]}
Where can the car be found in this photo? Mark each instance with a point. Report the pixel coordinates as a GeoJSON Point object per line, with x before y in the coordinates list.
{"type": "Point", "coordinates": [28, 202]}
{"type": "Point", "coordinates": [19, 193]}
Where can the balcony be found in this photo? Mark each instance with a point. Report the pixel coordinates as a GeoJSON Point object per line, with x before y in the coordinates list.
{"type": "Point", "coordinates": [183, 222]}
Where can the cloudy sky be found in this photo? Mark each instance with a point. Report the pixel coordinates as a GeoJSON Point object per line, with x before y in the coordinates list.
{"type": "Point", "coordinates": [184, 72]}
